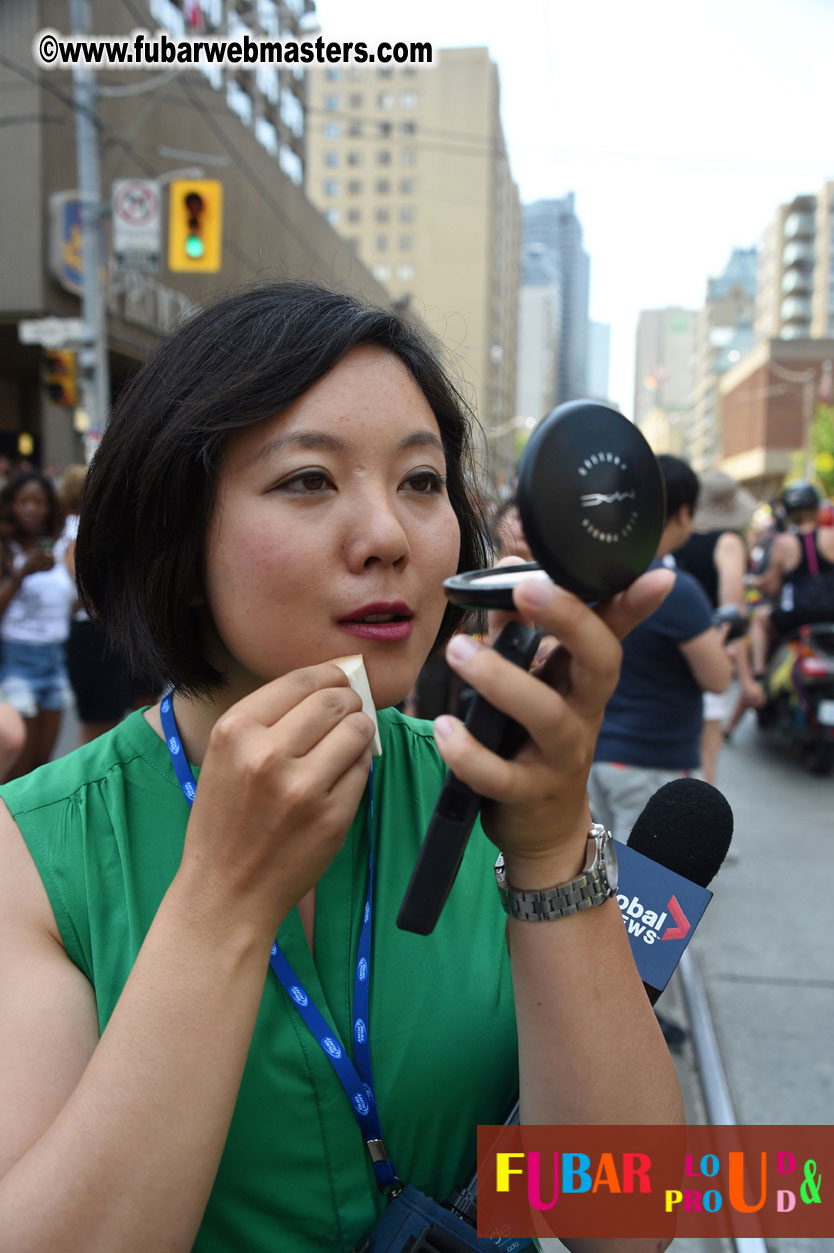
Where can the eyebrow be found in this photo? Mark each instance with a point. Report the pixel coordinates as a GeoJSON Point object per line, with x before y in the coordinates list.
{"type": "Point", "coordinates": [323, 441]}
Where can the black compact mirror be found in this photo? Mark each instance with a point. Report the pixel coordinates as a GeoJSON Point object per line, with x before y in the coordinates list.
{"type": "Point", "coordinates": [592, 505]}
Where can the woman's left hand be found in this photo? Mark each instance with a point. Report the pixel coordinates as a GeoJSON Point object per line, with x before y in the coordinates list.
{"type": "Point", "coordinates": [536, 808]}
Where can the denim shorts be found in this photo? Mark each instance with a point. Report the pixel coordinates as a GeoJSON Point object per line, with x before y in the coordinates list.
{"type": "Point", "coordinates": [34, 676]}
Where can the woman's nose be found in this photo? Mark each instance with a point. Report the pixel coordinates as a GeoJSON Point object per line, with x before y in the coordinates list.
{"type": "Point", "coordinates": [376, 533]}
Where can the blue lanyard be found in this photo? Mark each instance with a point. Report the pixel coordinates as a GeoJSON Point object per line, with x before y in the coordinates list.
{"type": "Point", "coordinates": [356, 1079]}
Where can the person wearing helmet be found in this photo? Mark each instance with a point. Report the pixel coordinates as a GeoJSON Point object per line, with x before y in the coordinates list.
{"type": "Point", "coordinates": [799, 556]}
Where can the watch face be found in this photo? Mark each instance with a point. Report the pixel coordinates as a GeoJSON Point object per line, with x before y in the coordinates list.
{"type": "Point", "coordinates": [609, 862]}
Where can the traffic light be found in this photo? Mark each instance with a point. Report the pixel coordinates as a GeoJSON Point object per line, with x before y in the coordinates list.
{"type": "Point", "coordinates": [61, 376]}
{"type": "Point", "coordinates": [195, 225]}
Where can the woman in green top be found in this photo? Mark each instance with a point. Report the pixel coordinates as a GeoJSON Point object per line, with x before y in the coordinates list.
{"type": "Point", "coordinates": [285, 481]}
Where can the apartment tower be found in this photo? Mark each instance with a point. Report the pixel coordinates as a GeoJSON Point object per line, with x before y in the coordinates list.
{"type": "Point", "coordinates": [409, 164]}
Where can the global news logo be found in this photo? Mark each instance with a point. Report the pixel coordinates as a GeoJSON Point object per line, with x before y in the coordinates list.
{"type": "Point", "coordinates": [649, 925]}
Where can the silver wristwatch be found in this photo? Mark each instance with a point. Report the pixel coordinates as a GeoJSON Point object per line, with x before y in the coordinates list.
{"type": "Point", "coordinates": [596, 883]}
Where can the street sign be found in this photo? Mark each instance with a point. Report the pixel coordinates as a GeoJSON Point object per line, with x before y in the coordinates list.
{"type": "Point", "coordinates": [137, 224]}
{"type": "Point", "coordinates": [54, 332]}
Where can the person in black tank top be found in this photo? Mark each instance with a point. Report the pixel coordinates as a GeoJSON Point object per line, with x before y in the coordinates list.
{"type": "Point", "coordinates": [716, 555]}
{"type": "Point", "coordinates": [798, 558]}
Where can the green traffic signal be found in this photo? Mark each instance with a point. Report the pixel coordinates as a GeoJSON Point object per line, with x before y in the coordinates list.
{"type": "Point", "coordinates": [195, 246]}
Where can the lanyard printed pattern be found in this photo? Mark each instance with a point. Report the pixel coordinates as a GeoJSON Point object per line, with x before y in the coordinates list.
{"type": "Point", "coordinates": [357, 1080]}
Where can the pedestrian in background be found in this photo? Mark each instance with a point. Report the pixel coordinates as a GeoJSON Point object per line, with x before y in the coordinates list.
{"type": "Point", "coordinates": [716, 555]}
{"type": "Point", "coordinates": [651, 730]}
{"type": "Point", "coordinates": [799, 576]}
{"type": "Point", "coordinates": [37, 595]}
{"type": "Point", "coordinates": [100, 678]}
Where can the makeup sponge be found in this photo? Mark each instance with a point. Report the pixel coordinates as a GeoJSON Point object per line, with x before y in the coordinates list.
{"type": "Point", "coordinates": [354, 668]}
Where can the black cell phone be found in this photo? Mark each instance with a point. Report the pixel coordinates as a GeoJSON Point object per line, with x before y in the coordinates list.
{"type": "Point", "coordinates": [457, 806]}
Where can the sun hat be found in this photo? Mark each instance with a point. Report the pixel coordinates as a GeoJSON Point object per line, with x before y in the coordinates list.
{"type": "Point", "coordinates": [723, 504]}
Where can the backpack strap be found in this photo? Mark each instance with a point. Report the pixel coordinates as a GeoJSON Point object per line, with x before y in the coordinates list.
{"type": "Point", "coordinates": [808, 539]}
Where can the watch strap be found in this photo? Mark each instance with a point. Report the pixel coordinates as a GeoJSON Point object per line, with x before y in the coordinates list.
{"type": "Point", "coordinates": [588, 889]}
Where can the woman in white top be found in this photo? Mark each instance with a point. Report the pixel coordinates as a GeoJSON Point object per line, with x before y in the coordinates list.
{"type": "Point", "coordinates": [37, 596]}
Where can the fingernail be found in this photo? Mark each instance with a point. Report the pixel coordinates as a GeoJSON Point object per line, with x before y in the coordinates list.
{"type": "Point", "coordinates": [537, 592]}
{"type": "Point", "coordinates": [443, 727]}
{"type": "Point", "coordinates": [462, 647]}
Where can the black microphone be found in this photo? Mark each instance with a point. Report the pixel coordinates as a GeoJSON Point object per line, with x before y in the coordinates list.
{"type": "Point", "coordinates": [687, 827]}
{"type": "Point", "coordinates": [676, 848]}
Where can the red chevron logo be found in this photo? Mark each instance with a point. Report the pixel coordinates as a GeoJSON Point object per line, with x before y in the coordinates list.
{"type": "Point", "coordinates": [681, 931]}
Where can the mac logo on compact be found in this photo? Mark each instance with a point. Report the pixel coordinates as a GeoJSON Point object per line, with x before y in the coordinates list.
{"type": "Point", "coordinates": [599, 498]}
{"type": "Point", "coordinates": [615, 523]}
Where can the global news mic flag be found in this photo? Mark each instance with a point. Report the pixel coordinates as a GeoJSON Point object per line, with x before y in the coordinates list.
{"type": "Point", "coordinates": [660, 910]}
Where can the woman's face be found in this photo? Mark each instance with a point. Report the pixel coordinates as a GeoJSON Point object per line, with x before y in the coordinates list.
{"type": "Point", "coordinates": [332, 533]}
{"type": "Point", "coordinates": [30, 507]}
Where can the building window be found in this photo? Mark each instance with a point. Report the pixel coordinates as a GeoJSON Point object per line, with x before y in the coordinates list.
{"type": "Point", "coordinates": [408, 128]}
{"type": "Point", "coordinates": [383, 187]}
{"type": "Point", "coordinates": [355, 100]}
{"type": "Point", "coordinates": [385, 100]}
{"type": "Point", "coordinates": [354, 187]}
{"type": "Point", "coordinates": [354, 215]}
{"type": "Point", "coordinates": [385, 71]}
{"type": "Point", "coordinates": [382, 215]}
{"type": "Point", "coordinates": [267, 135]}
{"type": "Point", "coordinates": [331, 101]}
{"type": "Point", "coordinates": [292, 113]}
{"type": "Point", "coordinates": [408, 100]}
{"type": "Point", "coordinates": [333, 216]}
{"type": "Point", "coordinates": [331, 158]}
{"type": "Point", "coordinates": [406, 213]}
{"type": "Point", "coordinates": [407, 186]}
{"type": "Point", "coordinates": [385, 129]}
{"type": "Point", "coordinates": [355, 130]}
{"type": "Point", "coordinates": [383, 156]}
{"type": "Point", "coordinates": [406, 243]}
{"type": "Point", "coordinates": [354, 157]}
{"type": "Point", "coordinates": [333, 74]}
{"type": "Point", "coordinates": [405, 272]}
{"type": "Point", "coordinates": [408, 157]}
{"type": "Point", "coordinates": [331, 187]}
{"type": "Point", "coordinates": [332, 130]}
{"type": "Point", "coordinates": [381, 243]}
{"type": "Point", "coordinates": [382, 273]}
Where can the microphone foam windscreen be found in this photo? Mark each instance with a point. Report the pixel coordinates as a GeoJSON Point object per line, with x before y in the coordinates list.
{"type": "Point", "coordinates": [687, 827]}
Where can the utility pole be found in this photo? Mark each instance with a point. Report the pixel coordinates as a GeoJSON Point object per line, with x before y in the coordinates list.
{"type": "Point", "coordinates": [95, 374]}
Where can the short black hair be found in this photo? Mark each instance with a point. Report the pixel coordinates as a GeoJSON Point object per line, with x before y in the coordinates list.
{"type": "Point", "coordinates": [682, 483]}
{"type": "Point", "coordinates": [151, 486]}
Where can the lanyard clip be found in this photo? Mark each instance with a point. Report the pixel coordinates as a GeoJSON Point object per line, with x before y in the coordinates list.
{"type": "Point", "coordinates": [389, 1184]}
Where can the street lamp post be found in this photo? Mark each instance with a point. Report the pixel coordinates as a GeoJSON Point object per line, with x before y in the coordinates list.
{"type": "Point", "coordinates": [95, 374]}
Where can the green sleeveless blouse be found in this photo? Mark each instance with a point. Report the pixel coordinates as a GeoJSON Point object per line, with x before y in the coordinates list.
{"type": "Point", "coordinates": [106, 825]}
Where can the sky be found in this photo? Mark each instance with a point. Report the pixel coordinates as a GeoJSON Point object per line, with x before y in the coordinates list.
{"type": "Point", "coordinates": [679, 127]}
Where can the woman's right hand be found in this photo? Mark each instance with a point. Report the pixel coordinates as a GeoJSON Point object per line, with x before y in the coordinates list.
{"type": "Point", "coordinates": [280, 783]}
{"type": "Point", "coordinates": [37, 561]}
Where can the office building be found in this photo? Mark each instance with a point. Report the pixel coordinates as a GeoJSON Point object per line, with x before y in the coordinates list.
{"type": "Point", "coordinates": [554, 226]}
{"type": "Point", "coordinates": [244, 129]}
{"type": "Point", "coordinates": [796, 270]}
{"type": "Point", "coordinates": [539, 332]}
{"type": "Point", "coordinates": [664, 363]}
{"type": "Point", "coordinates": [725, 332]}
{"type": "Point", "coordinates": [410, 166]}
{"type": "Point", "coordinates": [767, 400]}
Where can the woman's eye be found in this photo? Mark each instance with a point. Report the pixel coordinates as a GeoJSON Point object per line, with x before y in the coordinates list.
{"type": "Point", "coordinates": [310, 482]}
{"type": "Point", "coordinates": [426, 482]}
